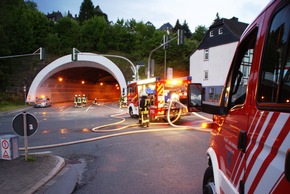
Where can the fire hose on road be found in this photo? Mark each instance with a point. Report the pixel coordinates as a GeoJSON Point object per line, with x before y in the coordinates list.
{"type": "Point", "coordinates": [100, 129]}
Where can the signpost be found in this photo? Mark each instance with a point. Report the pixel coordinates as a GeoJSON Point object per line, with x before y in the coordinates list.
{"type": "Point", "coordinates": [25, 124]}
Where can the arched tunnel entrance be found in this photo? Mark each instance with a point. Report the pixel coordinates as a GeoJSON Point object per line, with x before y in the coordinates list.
{"type": "Point", "coordinates": [92, 75]}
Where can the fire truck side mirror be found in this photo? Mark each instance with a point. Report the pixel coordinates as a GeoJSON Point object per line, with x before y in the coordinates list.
{"type": "Point", "coordinates": [195, 101]}
{"type": "Point", "coordinates": [194, 97]}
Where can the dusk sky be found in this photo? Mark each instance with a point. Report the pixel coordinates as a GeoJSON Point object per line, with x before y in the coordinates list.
{"type": "Point", "coordinates": [158, 12]}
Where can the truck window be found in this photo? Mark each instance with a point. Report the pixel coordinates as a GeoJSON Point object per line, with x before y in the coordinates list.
{"type": "Point", "coordinates": [236, 87]}
{"type": "Point", "coordinates": [274, 83]}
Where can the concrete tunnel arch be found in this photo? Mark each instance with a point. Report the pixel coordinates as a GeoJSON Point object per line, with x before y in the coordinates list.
{"type": "Point", "coordinates": [65, 62]}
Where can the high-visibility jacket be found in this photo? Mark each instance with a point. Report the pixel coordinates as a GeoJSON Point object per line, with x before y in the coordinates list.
{"type": "Point", "coordinates": [144, 105]}
{"type": "Point", "coordinates": [84, 99]}
{"type": "Point", "coordinates": [79, 99]}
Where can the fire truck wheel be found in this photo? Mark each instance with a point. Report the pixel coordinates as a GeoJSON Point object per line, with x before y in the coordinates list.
{"type": "Point", "coordinates": [208, 181]}
{"type": "Point", "coordinates": [131, 112]}
{"type": "Point", "coordinates": [171, 119]}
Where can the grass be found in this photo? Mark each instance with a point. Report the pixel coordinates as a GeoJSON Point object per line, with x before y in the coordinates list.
{"type": "Point", "coordinates": [11, 101]}
{"type": "Point", "coordinates": [31, 158]}
{"type": "Point", "coordinates": [9, 106]}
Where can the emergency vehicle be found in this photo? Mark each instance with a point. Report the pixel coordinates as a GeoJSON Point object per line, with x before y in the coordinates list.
{"type": "Point", "coordinates": [159, 92]}
{"type": "Point", "coordinates": [250, 141]}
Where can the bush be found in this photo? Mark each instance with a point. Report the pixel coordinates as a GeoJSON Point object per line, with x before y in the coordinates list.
{"type": "Point", "coordinates": [11, 98]}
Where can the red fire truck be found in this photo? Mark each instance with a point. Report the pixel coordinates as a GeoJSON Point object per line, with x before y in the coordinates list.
{"type": "Point", "coordinates": [250, 143]}
{"type": "Point", "coordinates": [159, 92]}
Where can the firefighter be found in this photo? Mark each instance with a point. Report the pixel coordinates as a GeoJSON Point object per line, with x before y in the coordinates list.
{"type": "Point", "coordinates": [84, 100]}
{"type": "Point", "coordinates": [144, 111]}
{"type": "Point", "coordinates": [122, 101]}
{"type": "Point", "coordinates": [79, 104]}
{"type": "Point", "coordinates": [95, 102]}
{"type": "Point", "coordinates": [76, 100]}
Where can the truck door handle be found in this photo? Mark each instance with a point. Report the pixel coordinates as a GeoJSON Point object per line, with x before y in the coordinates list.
{"type": "Point", "coordinates": [242, 141]}
{"type": "Point", "coordinates": [287, 165]}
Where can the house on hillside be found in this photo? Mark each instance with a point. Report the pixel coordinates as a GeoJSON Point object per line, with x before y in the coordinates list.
{"type": "Point", "coordinates": [166, 26]}
{"type": "Point", "coordinates": [210, 62]}
{"type": "Point", "coordinates": [54, 16]}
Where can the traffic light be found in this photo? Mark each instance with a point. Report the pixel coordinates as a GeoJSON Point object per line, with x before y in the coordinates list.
{"type": "Point", "coordinates": [165, 41]}
{"type": "Point", "coordinates": [41, 53]}
{"type": "Point", "coordinates": [180, 37]}
{"type": "Point", "coordinates": [74, 56]}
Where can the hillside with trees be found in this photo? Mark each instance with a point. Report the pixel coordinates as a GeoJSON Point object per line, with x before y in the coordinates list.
{"type": "Point", "coordinates": [23, 29]}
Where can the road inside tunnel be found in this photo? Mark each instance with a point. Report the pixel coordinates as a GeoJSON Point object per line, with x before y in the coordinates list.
{"type": "Point", "coordinates": [88, 81]}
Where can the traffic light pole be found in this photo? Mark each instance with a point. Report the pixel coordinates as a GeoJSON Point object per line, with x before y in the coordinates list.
{"type": "Point", "coordinates": [39, 52]}
{"type": "Point", "coordinates": [149, 58]}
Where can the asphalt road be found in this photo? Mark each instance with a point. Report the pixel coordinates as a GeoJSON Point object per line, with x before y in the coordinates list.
{"type": "Point", "coordinates": [132, 160]}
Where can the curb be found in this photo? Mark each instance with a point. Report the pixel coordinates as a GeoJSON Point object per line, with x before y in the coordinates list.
{"type": "Point", "coordinates": [63, 181]}
{"type": "Point", "coordinates": [59, 165]}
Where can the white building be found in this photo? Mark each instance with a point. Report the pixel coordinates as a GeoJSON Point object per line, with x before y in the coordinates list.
{"type": "Point", "coordinates": [210, 62]}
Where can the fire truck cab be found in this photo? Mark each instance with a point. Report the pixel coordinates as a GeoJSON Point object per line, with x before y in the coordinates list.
{"type": "Point", "coordinates": [249, 148]}
{"type": "Point", "coordinates": [159, 92]}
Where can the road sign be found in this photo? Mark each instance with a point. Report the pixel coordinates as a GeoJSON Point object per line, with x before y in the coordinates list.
{"type": "Point", "coordinates": [5, 149]}
{"type": "Point", "coordinates": [5, 144]}
{"type": "Point", "coordinates": [18, 124]}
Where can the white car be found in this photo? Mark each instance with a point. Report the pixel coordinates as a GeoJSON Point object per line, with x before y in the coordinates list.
{"type": "Point", "coordinates": [42, 102]}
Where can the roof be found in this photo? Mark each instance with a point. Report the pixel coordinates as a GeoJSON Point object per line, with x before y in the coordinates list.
{"type": "Point", "coordinates": [54, 16]}
{"type": "Point", "coordinates": [166, 26]}
{"type": "Point", "coordinates": [223, 31]}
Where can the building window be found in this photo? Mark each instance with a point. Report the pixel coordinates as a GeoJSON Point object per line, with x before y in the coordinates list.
{"type": "Point", "coordinates": [221, 31]}
{"type": "Point", "coordinates": [206, 54]}
{"type": "Point", "coordinates": [211, 33]}
{"type": "Point", "coordinates": [205, 75]}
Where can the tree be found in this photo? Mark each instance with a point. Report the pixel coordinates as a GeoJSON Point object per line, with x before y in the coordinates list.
{"type": "Point", "coordinates": [186, 30]}
{"type": "Point", "coordinates": [87, 11]}
{"type": "Point", "coordinates": [177, 26]}
{"type": "Point", "coordinates": [199, 33]}
{"type": "Point", "coordinates": [100, 13]}
{"type": "Point", "coordinates": [217, 18]}
{"type": "Point", "coordinates": [22, 31]}
{"type": "Point", "coordinates": [68, 32]}
{"type": "Point", "coordinates": [94, 34]}
{"type": "Point", "coordinates": [32, 5]}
